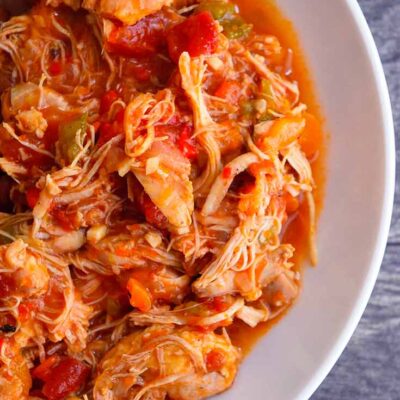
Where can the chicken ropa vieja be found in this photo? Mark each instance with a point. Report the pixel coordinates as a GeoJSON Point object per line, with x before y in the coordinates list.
{"type": "Point", "coordinates": [153, 155]}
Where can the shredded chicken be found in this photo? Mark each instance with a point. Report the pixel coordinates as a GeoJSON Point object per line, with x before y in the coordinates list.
{"type": "Point", "coordinates": [156, 164]}
{"type": "Point", "coordinates": [134, 366]}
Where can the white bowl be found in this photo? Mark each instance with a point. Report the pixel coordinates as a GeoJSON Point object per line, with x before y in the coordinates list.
{"type": "Point", "coordinates": [293, 359]}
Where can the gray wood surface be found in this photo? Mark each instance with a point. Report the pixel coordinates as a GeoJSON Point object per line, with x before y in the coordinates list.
{"type": "Point", "coordinates": [369, 368]}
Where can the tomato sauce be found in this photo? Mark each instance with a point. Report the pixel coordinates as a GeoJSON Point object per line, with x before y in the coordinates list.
{"type": "Point", "coordinates": [268, 19]}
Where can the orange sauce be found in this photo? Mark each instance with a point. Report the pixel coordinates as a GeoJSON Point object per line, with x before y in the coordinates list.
{"type": "Point", "coordinates": [268, 19]}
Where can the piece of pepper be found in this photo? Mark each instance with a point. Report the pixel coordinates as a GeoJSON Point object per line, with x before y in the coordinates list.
{"type": "Point", "coordinates": [226, 14]}
{"type": "Point", "coordinates": [64, 378]}
{"type": "Point", "coordinates": [236, 28]}
{"type": "Point", "coordinates": [69, 148]}
{"type": "Point", "coordinates": [197, 35]}
{"type": "Point", "coordinates": [218, 9]}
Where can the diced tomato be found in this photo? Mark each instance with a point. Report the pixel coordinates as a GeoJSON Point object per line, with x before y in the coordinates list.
{"type": "Point", "coordinates": [186, 144]}
{"type": "Point", "coordinates": [142, 39]}
{"type": "Point", "coordinates": [107, 100]}
{"type": "Point", "coordinates": [55, 68]}
{"type": "Point", "coordinates": [151, 212]}
{"type": "Point", "coordinates": [197, 35]}
{"type": "Point", "coordinates": [43, 370]}
{"type": "Point", "coordinates": [64, 378]}
{"type": "Point", "coordinates": [227, 172]}
{"type": "Point", "coordinates": [32, 196]}
{"type": "Point", "coordinates": [215, 360]}
{"type": "Point", "coordinates": [230, 91]}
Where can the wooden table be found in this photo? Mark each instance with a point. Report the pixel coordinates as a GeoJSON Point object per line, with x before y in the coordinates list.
{"type": "Point", "coordinates": [369, 368]}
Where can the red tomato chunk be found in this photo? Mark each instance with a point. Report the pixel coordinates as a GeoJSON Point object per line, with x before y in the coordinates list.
{"type": "Point", "coordinates": [142, 39]}
{"type": "Point", "coordinates": [197, 35]}
{"type": "Point", "coordinates": [61, 377]}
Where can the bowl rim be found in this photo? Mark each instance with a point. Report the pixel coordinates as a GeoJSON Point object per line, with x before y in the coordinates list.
{"type": "Point", "coordinates": [386, 208]}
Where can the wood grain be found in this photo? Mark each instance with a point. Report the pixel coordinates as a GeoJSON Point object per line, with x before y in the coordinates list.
{"type": "Point", "coordinates": [369, 368]}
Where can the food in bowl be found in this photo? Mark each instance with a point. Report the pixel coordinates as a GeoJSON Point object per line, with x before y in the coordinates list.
{"type": "Point", "coordinates": [157, 178]}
